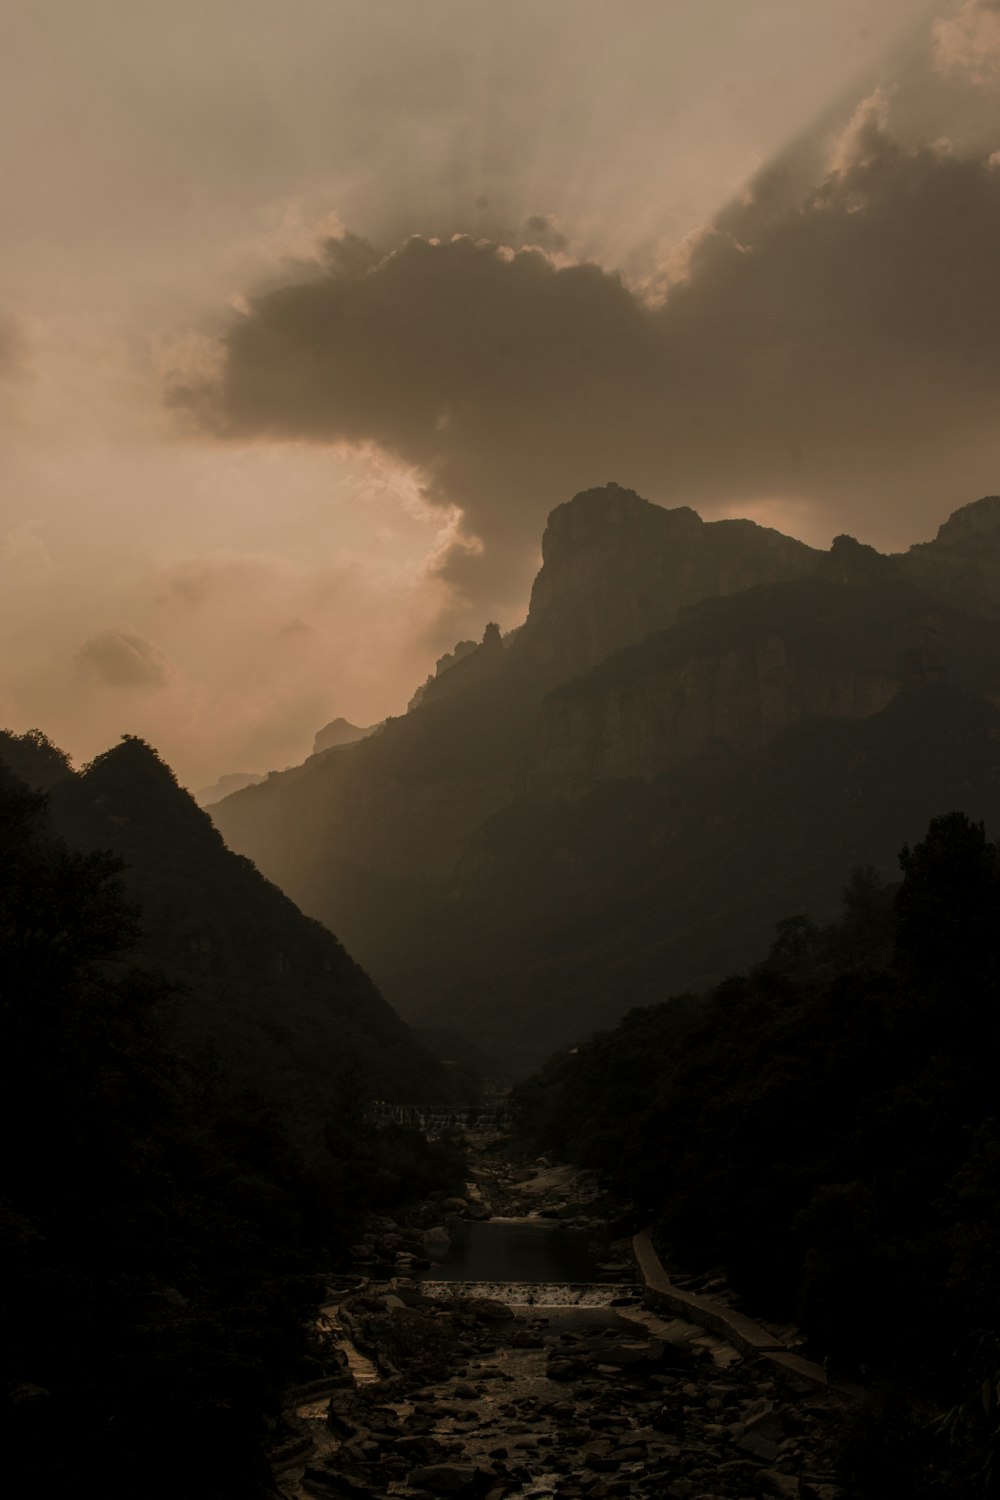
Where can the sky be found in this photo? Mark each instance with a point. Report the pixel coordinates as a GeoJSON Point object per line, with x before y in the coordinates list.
{"type": "Point", "coordinates": [311, 312]}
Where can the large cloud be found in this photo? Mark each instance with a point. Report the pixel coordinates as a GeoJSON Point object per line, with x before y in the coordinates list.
{"type": "Point", "coordinates": [840, 351]}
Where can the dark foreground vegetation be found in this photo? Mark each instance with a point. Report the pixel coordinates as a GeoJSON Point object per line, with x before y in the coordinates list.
{"type": "Point", "coordinates": [165, 1219]}
{"type": "Point", "coordinates": [826, 1129]}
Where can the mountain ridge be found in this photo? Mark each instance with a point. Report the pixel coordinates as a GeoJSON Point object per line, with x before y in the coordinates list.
{"type": "Point", "coordinates": [709, 650]}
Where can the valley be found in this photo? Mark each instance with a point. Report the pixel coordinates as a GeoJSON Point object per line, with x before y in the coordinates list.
{"type": "Point", "coordinates": [698, 730]}
{"type": "Point", "coordinates": [548, 1387]}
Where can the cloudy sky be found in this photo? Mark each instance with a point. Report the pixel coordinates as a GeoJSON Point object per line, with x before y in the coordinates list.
{"type": "Point", "coordinates": [311, 311]}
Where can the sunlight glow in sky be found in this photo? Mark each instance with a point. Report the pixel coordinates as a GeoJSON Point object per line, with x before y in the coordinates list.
{"type": "Point", "coordinates": [167, 166]}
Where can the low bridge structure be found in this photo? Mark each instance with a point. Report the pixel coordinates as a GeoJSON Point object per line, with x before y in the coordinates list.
{"type": "Point", "coordinates": [442, 1119]}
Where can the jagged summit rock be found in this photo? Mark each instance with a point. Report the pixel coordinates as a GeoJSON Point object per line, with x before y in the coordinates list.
{"type": "Point", "coordinates": [443, 664]}
{"type": "Point", "coordinates": [615, 567]}
{"type": "Point", "coordinates": [971, 522]}
{"type": "Point", "coordinates": [463, 668]}
{"type": "Point", "coordinates": [851, 561]}
{"type": "Point", "coordinates": [962, 564]}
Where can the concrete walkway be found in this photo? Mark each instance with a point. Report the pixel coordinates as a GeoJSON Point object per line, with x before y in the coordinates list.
{"type": "Point", "coordinates": [726, 1324]}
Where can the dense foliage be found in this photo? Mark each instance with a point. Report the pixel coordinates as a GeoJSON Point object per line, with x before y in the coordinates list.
{"type": "Point", "coordinates": [164, 1223]}
{"type": "Point", "coordinates": [826, 1126]}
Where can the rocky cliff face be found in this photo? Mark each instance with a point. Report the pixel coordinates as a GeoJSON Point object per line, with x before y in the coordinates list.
{"type": "Point", "coordinates": [737, 672]}
{"type": "Point", "coordinates": [615, 568]}
{"type": "Point", "coordinates": [741, 698]}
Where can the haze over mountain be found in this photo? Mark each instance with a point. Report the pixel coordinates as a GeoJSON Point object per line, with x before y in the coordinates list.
{"type": "Point", "coordinates": [233, 781]}
{"type": "Point", "coordinates": [338, 732]}
{"type": "Point", "coordinates": [698, 726]}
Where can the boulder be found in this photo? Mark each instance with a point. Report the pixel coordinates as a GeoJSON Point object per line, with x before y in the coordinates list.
{"type": "Point", "coordinates": [487, 1310]}
{"type": "Point", "coordinates": [337, 1420]}
{"type": "Point", "coordinates": [762, 1434]}
{"type": "Point", "coordinates": [437, 1242]}
{"type": "Point", "coordinates": [773, 1482]}
{"type": "Point", "coordinates": [451, 1479]}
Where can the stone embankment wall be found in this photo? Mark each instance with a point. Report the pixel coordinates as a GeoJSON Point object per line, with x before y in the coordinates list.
{"type": "Point", "coordinates": [717, 1318]}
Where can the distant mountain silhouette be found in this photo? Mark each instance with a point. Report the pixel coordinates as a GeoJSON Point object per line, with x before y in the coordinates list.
{"type": "Point", "coordinates": [697, 727]}
{"type": "Point", "coordinates": [337, 732]}
{"type": "Point", "coordinates": [233, 781]}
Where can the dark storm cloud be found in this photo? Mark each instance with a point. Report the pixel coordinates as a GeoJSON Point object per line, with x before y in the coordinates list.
{"type": "Point", "coordinates": [124, 659]}
{"type": "Point", "coordinates": [840, 351]}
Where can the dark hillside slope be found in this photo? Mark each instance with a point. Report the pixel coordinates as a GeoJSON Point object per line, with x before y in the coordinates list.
{"type": "Point", "coordinates": [292, 1012]}
{"type": "Point", "coordinates": [641, 888]}
{"type": "Point", "coordinates": [166, 1230]}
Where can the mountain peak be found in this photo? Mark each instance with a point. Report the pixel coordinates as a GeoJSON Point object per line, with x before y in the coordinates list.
{"type": "Point", "coordinates": [851, 561]}
{"type": "Point", "coordinates": [971, 522]}
{"type": "Point", "coordinates": [616, 567]}
{"type": "Point", "coordinates": [592, 515]}
{"type": "Point", "coordinates": [134, 756]}
{"type": "Point", "coordinates": [339, 731]}
{"type": "Point", "coordinates": [962, 564]}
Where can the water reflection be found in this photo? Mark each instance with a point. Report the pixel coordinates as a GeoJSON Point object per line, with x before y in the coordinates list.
{"type": "Point", "coordinates": [516, 1250]}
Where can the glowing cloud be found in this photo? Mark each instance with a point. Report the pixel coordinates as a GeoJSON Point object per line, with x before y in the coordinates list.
{"type": "Point", "coordinates": [837, 354]}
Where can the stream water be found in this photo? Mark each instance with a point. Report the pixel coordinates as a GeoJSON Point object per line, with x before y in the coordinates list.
{"type": "Point", "coordinates": [517, 1250]}
{"type": "Point", "coordinates": [539, 1266]}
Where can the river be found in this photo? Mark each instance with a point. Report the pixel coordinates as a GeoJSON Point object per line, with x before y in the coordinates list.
{"type": "Point", "coordinates": [520, 1250]}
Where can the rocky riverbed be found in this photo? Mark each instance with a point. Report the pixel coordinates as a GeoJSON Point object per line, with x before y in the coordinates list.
{"type": "Point", "coordinates": [441, 1390]}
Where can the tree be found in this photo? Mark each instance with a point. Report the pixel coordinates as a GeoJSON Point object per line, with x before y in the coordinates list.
{"type": "Point", "coordinates": [946, 910]}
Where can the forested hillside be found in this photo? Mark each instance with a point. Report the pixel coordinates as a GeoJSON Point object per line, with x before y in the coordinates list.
{"type": "Point", "coordinates": [824, 1126]}
{"type": "Point", "coordinates": [294, 1013]}
{"type": "Point", "coordinates": [170, 1207]}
